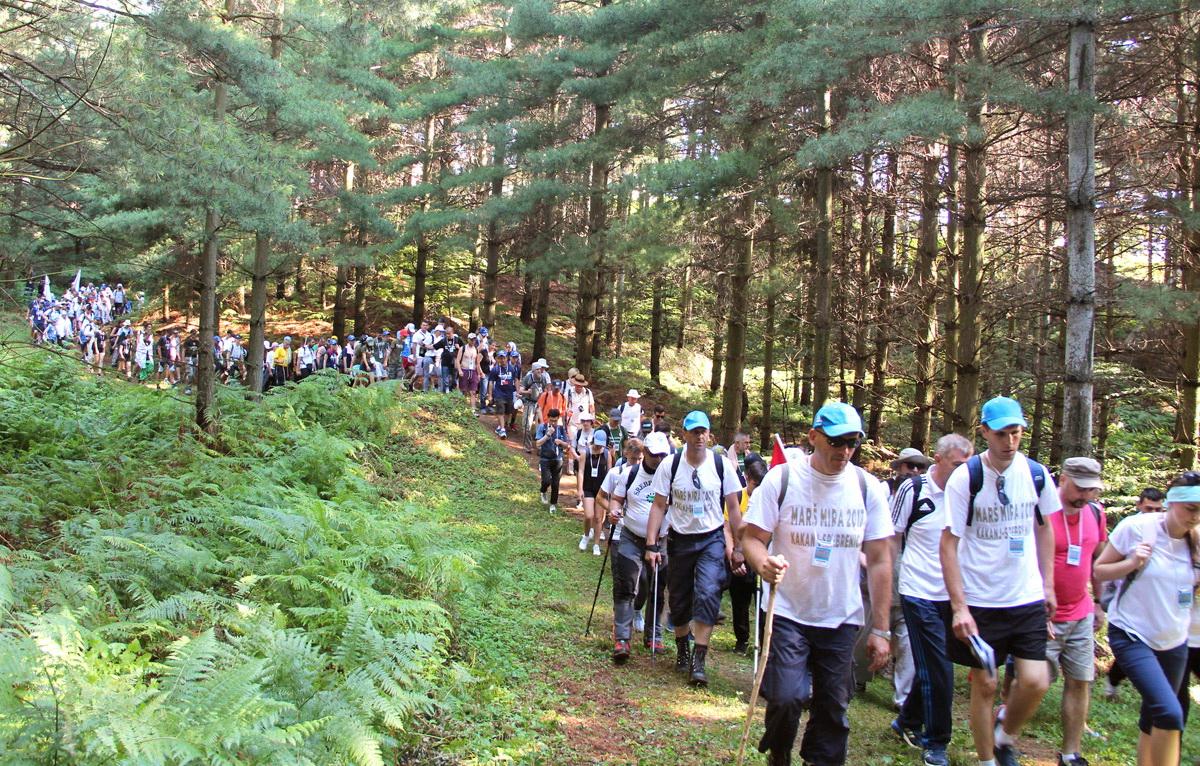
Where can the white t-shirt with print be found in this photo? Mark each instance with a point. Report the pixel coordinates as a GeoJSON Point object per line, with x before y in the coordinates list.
{"type": "Point", "coordinates": [997, 554]}
{"type": "Point", "coordinates": [820, 528]}
{"type": "Point", "coordinates": [638, 502]}
{"type": "Point", "coordinates": [1153, 608]}
{"type": "Point", "coordinates": [579, 402]}
{"type": "Point", "coordinates": [921, 561]}
{"type": "Point", "coordinates": [695, 511]}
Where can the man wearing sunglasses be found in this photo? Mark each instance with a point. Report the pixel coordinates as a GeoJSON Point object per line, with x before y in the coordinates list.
{"type": "Point", "coordinates": [997, 555]}
{"type": "Point", "coordinates": [816, 515]}
{"type": "Point", "coordinates": [694, 490]}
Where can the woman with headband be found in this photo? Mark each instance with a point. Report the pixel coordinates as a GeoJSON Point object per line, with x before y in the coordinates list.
{"type": "Point", "coordinates": [1155, 557]}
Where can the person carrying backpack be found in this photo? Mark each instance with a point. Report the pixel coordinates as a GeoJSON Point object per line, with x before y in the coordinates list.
{"type": "Point", "coordinates": [697, 492]}
{"type": "Point", "coordinates": [818, 516]}
{"type": "Point", "coordinates": [997, 556]}
{"type": "Point", "coordinates": [919, 516]}
{"type": "Point", "coordinates": [551, 440]}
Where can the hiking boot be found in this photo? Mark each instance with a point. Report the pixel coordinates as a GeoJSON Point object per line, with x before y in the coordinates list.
{"type": "Point", "coordinates": [655, 646]}
{"type": "Point", "coordinates": [683, 655]}
{"type": "Point", "coordinates": [1006, 755]}
{"type": "Point", "coordinates": [739, 647]}
{"type": "Point", "coordinates": [911, 737]}
{"type": "Point", "coordinates": [935, 757]}
{"type": "Point", "coordinates": [1074, 759]}
{"type": "Point", "coordinates": [776, 758]}
{"type": "Point", "coordinates": [698, 676]}
{"type": "Point", "coordinates": [620, 652]}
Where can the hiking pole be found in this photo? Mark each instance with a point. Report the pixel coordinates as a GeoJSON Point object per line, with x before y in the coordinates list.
{"type": "Point", "coordinates": [588, 630]}
{"type": "Point", "coordinates": [758, 675]}
{"type": "Point", "coordinates": [654, 625]}
{"type": "Point", "coordinates": [757, 617]}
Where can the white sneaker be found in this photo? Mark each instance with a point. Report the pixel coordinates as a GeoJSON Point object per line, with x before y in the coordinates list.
{"type": "Point", "coordinates": [583, 541]}
{"type": "Point", "coordinates": [595, 550]}
{"type": "Point", "coordinates": [553, 508]}
{"type": "Point", "coordinates": [603, 535]}
{"type": "Point", "coordinates": [639, 622]}
{"type": "Point", "coordinates": [545, 498]}
{"type": "Point", "coordinates": [591, 533]}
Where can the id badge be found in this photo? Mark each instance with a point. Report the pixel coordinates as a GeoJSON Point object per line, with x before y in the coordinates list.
{"type": "Point", "coordinates": [822, 553]}
{"type": "Point", "coordinates": [698, 509]}
{"type": "Point", "coordinates": [595, 470]}
{"type": "Point", "coordinates": [1016, 547]}
{"type": "Point", "coordinates": [1184, 599]}
{"type": "Point", "coordinates": [1074, 554]}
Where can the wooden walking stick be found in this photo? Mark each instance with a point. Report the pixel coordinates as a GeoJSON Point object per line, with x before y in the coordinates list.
{"type": "Point", "coordinates": [758, 677]}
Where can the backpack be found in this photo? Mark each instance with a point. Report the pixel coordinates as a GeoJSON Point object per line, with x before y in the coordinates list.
{"type": "Point", "coordinates": [920, 507]}
{"type": "Point", "coordinates": [975, 483]}
{"type": "Point", "coordinates": [558, 431]}
{"type": "Point", "coordinates": [1119, 588]}
{"type": "Point", "coordinates": [720, 465]}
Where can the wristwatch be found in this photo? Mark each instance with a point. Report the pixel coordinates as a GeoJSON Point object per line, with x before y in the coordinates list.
{"type": "Point", "coordinates": [655, 548]}
{"type": "Point", "coordinates": [886, 635]}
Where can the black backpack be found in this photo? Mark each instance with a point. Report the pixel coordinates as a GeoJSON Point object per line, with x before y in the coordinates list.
{"type": "Point", "coordinates": [975, 483]}
{"type": "Point", "coordinates": [787, 474]}
{"type": "Point", "coordinates": [921, 507]}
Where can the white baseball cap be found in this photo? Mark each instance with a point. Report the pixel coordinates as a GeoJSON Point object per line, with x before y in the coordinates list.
{"type": "Point", "coordinates": [656, 444]}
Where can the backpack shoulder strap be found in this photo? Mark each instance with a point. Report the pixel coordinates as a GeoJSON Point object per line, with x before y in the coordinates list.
{"type": "Point", "coordinates": [974, 484]}
{"type": "Point", "coordinates": [1101, 521]}
{"type": "Point", "coordinates": [1038, 473]}
{"type": "Point", "coordinates": [862, 484]}
{"type": "Point", "coordinates": [633, 472]}
{"type": "Point", "coordinates": [719, 464]}
{"type": "Point", "coordinates": [671, 483]}
{"type": "Point", "coordinates": [783, 482]}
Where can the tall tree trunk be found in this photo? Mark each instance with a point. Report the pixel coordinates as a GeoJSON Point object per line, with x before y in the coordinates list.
{"type": "Point", "coordinates": [739, 310]}
{"type": "Point", "coordinates": [619, 340]}
{"type": "Point", "coordinates": [685, 306]}
{"type": "Point", "coordinates": [866, 254]}
{"type": "Point", "coordinates": [718, 333]}
{"type": "Point", "coordinates": [765, 423]}
{"type": "Point", "coordinates": [1188, 109]}
{"type": "Point", "coordinates": [823, 282]}
{"type": "Point", "coordinates": [974, 232]}
{"type": "Point", "coordinates": [528, 290]}
{"type": "Point", "coordinates": [298, 277]}
{"type": "Point", "coordinates": [542, 318]}
{"type": "Point", "coordinates": [1081, 244]}
{"type": "Point", "coordinates": [424, 247]}
{"type": "Point", "coordinates": [256, 353]}
{"type": "Point", "coordinates": [887, 286]}
{"type": "Point", "coordinates": [602, 289]}
{"type": "Point", "coordinates": [589, 278]}
{"type": "Point", "coordinates": [656, 329]}
{"type": "Point", "coordinates": [925, 290]}
{"type": "Point", "coordinates": [491, 269]}
{"type": "Point", "coordinates": [206, 364]}
{"type": "Point", "coordinates": [950, 280]}
{"type": "Point", "coordinates": [341, 297]}
{"type": "Point", "coordinates": [360, 298]}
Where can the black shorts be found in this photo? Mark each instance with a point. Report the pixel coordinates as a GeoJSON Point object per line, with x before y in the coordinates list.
{"type": "Point", "coordinates": [503, 404]}
{"type": "Point", "coordinates": [1019, 631]}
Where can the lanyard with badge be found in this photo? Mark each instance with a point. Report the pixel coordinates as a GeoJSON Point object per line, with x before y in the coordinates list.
{"type": "Point", "coordinates": [1074, 551]}
{"type": "Point", "coordinates": [1016, 545]}
{"type": "Point", "coordinates": [822, 543]}
{"type": "Point", "coordinates": [698, 505]}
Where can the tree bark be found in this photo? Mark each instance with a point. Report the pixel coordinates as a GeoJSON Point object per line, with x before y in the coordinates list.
{"type": "Point", "coordinates": [341, 297]}
{"type": "Point", "coordinates": [1081, 244]}
{"type": "Point", "coordinates": [685, 307]}
{"type": "Point", "coordinates": [950, 280]}
{"type": "Point", "coordinates": [656, 329]}
{"type": "Point", "coordinates": [925, 290]}
{"type": "Point", "coordinates": [424, 247]}
{"type": "Point", "coordinates": [887, 286]}
{"type": "Point", "coordinates": [206, 364]}
{"type": "Point", "coordinates": [619, 320]}
{"type": "Point", "coordinates": [589, 277]}
{"type": "Point", "coordinates": [542, 317]}
{"type": "Point", "coordinates": [739, 310]}
{"type": "Point", "coordinates": [718, 332]}
{"type": "Point", "coordinates": [866, 251]}
{"type": "Point", "coordinates": [764, 425]}
{"type": "Point", "coordinates": [360, 298]}
{"type": "Point", "coordinates": [491, 269]}
{"type": "Point", "coordinates": [823, 282]}
{"type": "Point", "coordinates": [256, 353]}
{"type": "Point", "coordinates": [974, 231]}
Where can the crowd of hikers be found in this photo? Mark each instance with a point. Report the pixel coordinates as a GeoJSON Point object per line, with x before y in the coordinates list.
{"type": "Point", "coordinates": [985, 560]}
{"type": "Point", "coordinates": [981, 560]}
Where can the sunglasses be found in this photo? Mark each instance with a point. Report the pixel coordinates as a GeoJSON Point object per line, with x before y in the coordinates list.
{"type": "Point", "coordinates": [1000, 493]}
{"type": "Point", "coordinates": [696, 480]}
{"type": "Point", "coordinates": [842, 442]}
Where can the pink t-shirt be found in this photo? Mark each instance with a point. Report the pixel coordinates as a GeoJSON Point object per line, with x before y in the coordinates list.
{"type": "Point", "coordinates": [1071, 582]}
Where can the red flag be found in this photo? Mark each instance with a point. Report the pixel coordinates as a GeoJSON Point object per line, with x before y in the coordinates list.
{"type": "Point", "coordinates": [777, 456]}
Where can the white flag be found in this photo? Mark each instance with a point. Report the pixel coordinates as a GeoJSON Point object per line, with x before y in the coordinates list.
{"type": "Point", "coordinates": [75, 284]}
{"type": "Point", "coordinates": [46, 289]}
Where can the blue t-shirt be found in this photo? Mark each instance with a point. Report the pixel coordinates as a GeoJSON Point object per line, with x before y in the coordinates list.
{"type": "Point", "coordinates": [505, 379]}
{"type": "Point", "coordinates": [549, 449]}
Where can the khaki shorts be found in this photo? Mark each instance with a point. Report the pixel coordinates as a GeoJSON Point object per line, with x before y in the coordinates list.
{"type": "Point", "coordinates": [1073, 647]}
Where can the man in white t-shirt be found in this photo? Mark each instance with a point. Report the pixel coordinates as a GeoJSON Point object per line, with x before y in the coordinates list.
{"type": "Point", "coordinates": [997, 554]}
{"type": "Point", "coordinates": [422, 347]}
{"type": "Point", "coordinates": [634, 584]}
{"type": "Point", "coordinates": [919, 516]}
{"type": "Point", "coordinates": [695, 490]}
{"type": "Point", "coordinates": [815, 527]}
{"type": "Point", "coordinates": [631, 413]}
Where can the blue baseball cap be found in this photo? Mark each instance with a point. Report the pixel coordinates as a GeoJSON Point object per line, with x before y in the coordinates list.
{"type": "Point", "coordinates": [837, 419]}
{"type": "Point", "coordinates": [599, 439]}
{"type": "Point", "coordinates": [1001, 412]}
{"type": "Point", "coordinates": [696, 419]}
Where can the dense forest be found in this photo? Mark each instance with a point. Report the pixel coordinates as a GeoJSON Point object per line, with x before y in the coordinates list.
{"type": "Point", "coordinates": [910, 206]}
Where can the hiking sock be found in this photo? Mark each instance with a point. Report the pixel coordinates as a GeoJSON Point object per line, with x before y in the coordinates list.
{"type": "Point", "coordinates": [988, 762]}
